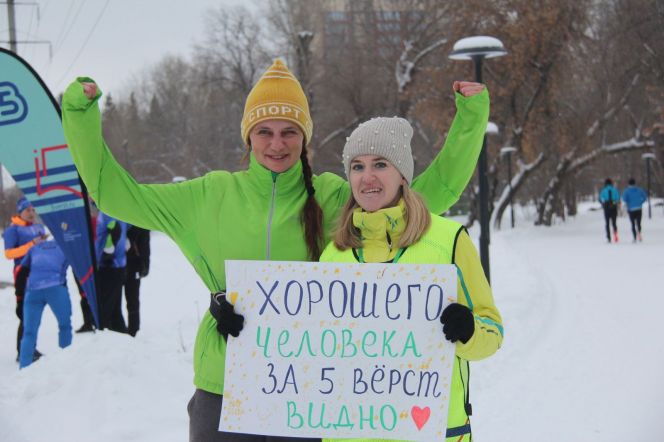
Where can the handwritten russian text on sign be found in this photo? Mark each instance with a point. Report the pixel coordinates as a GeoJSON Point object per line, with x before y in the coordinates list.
{"type": "Point", "coordinates": [339, 350]}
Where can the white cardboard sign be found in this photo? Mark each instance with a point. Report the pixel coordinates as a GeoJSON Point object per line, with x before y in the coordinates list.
{"type": "Point", "coordinates": [339, 350]}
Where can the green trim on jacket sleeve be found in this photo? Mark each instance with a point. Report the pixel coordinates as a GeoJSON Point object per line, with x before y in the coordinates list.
{"type": "Point", "coordinates": [488, 334]}
{"type": "Point", "coordinates": [443, 182]}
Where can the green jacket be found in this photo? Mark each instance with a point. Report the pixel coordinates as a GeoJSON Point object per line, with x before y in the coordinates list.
{"type": "Point", "coordinates": [446, 242]}
{"type": "Point", "coordinates": [252, 214]}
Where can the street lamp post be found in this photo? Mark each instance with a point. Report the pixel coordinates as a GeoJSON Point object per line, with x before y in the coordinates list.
{"type": "Point", "coordinates": [477, 49]}
{"type": "Point", "coordinates": [648, 157]}
{"type": "Point", "coordinates": [507, 151]}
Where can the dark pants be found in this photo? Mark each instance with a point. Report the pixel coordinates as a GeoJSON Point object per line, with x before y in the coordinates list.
{"type": "Point", "coordinates": [635, 219]}
{"type": "Point", "coordinates": [132, 286]}
{"type": "Point", "coordinates": [19, 332]}
{"type": "Point", "coordinates": [88, 319]}
{"type": "Point", "coordinates": [204, 410]}
{"type": "Point", "coordinates": [110, 299]}
{"type": "Point", "coordinates": [86, 311]}
{"type": "Point", "coordinates": [610, 214]}
{"type": "Point", "coordinates": [20, 282]}
{"type": "Point", "coordinates": [57, 298]}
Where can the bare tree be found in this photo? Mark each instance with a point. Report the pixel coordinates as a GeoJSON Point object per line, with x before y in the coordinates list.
{"type": "Point", "coordinates": [580, 92]}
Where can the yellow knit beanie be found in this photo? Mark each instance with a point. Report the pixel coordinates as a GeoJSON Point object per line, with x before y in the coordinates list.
{"type": "Point", "coordinates": [277, 96]}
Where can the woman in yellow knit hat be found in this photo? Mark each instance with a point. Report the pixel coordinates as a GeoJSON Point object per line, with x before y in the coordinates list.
{"type": "Point", "coordinates": [275, 210]}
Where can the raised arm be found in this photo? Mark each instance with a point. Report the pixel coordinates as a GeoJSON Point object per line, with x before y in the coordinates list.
{"type": "Point", "coordinates": [443, 182]}
{"type": "Point", "coordinates": [164, 207]}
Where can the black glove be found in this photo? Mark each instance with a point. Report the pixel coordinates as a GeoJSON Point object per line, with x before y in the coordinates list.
{"type": "Point", "coordinates": [228, 322]}
{"type": "Point", "coordinates": [458, 323]}
{"type": "Point", "coordinates": [144, 270]}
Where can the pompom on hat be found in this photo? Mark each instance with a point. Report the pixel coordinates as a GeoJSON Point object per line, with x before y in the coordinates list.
{"type": "Point", "coordinates": [22, 204]}
{"type": "Point", "coordinates": [277, 95]}
{"type": "Point", "coordinates": [384, 137]}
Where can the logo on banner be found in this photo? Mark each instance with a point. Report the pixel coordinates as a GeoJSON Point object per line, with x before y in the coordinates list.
{"type": "Point", "coordinates": [13, 107]}
{"type": "Point", "coordinates": [43, 171]}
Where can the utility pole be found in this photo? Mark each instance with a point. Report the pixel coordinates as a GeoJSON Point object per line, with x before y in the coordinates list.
{"type": "Point", "coordinates": [11, 17]}
{"type": "Point", "coordinates": [12, 25]}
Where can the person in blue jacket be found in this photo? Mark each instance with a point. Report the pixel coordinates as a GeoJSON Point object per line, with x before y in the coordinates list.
{"type": "Point", "coordinates": [634, 197]}
{"type": "Point", "coordinates": [23, 233]}
{"type": "Point", "coordinates": [111, 249]}
{"type": "Point", "coordinates": [47, 285]}
{"type": "Point", "coordinates": [610, 198]}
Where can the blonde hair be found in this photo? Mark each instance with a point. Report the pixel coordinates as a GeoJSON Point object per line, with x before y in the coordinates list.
{"type": "Point", "coordinates": [417, 217]}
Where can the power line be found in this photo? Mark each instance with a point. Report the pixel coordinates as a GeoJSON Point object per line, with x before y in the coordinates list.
{"type": "Point", "coordinates": [84, 43]}
{"type": "Point", "coordinates": [71, 26]}
{"type": "Point", "coordinates": [64, 25]}
{"type": "Point", "coordinates": [11, 15]}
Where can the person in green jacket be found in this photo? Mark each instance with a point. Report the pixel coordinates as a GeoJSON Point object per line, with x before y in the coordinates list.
{"type": "Point", "coordinates": [277, 209]}
{"type": "Point", "coordinates": [384, 220]}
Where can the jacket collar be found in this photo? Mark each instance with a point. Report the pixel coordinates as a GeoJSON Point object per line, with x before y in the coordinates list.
{"type": "Point", "coordinates": [264, 178]}
{"type": "Point", "coordinates": [20, 221]}
{"type": "Point", "coordinates": [381, 231]}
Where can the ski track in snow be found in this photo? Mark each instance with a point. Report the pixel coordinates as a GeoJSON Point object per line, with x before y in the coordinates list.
{"type": "Point", "coordinates": [581, 360]}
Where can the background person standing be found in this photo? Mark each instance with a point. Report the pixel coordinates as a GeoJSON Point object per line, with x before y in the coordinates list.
{"type": "Point", "coordinates": [610, 198]}
{"type": "Point", "coordinates": [634, 198]}
{"type": "Point", "coordinates": [47, 285]}
{"type": "Point", "coordinates": [19, 237]}
{"type": "Point", "coordinates": [111, 260]}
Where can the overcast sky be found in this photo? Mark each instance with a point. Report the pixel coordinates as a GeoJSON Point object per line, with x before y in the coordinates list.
{"type": "Point", "coordinates": [109, 40]}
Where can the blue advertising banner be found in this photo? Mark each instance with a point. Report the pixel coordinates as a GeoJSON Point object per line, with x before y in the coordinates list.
{"type": "Point", "coordinates": [34, 151]}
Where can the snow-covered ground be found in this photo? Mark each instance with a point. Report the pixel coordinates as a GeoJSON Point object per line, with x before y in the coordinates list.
{"type": "Point", "coordinates": [582, 359]}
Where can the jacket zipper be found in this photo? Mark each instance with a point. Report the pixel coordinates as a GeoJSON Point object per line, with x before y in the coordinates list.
{"type": "Point", "coordinates": [270, 214]}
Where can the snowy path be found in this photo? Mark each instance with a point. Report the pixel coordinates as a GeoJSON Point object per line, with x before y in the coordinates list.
{"type": "Point", "coordinates": [582, 359]}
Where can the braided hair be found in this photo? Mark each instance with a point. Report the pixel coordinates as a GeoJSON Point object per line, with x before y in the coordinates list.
{"type": "Point", "coordinates": [312, 215]}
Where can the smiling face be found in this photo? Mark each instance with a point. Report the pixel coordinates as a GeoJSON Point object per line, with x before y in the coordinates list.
{"type": "Point", "coordinates": [375, 182]}
{"type": "Point", "coordinates": [277, 144]}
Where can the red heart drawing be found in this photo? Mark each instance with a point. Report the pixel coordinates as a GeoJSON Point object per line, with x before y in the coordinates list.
{"type": "Point", "coordinates": [420, 415]}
